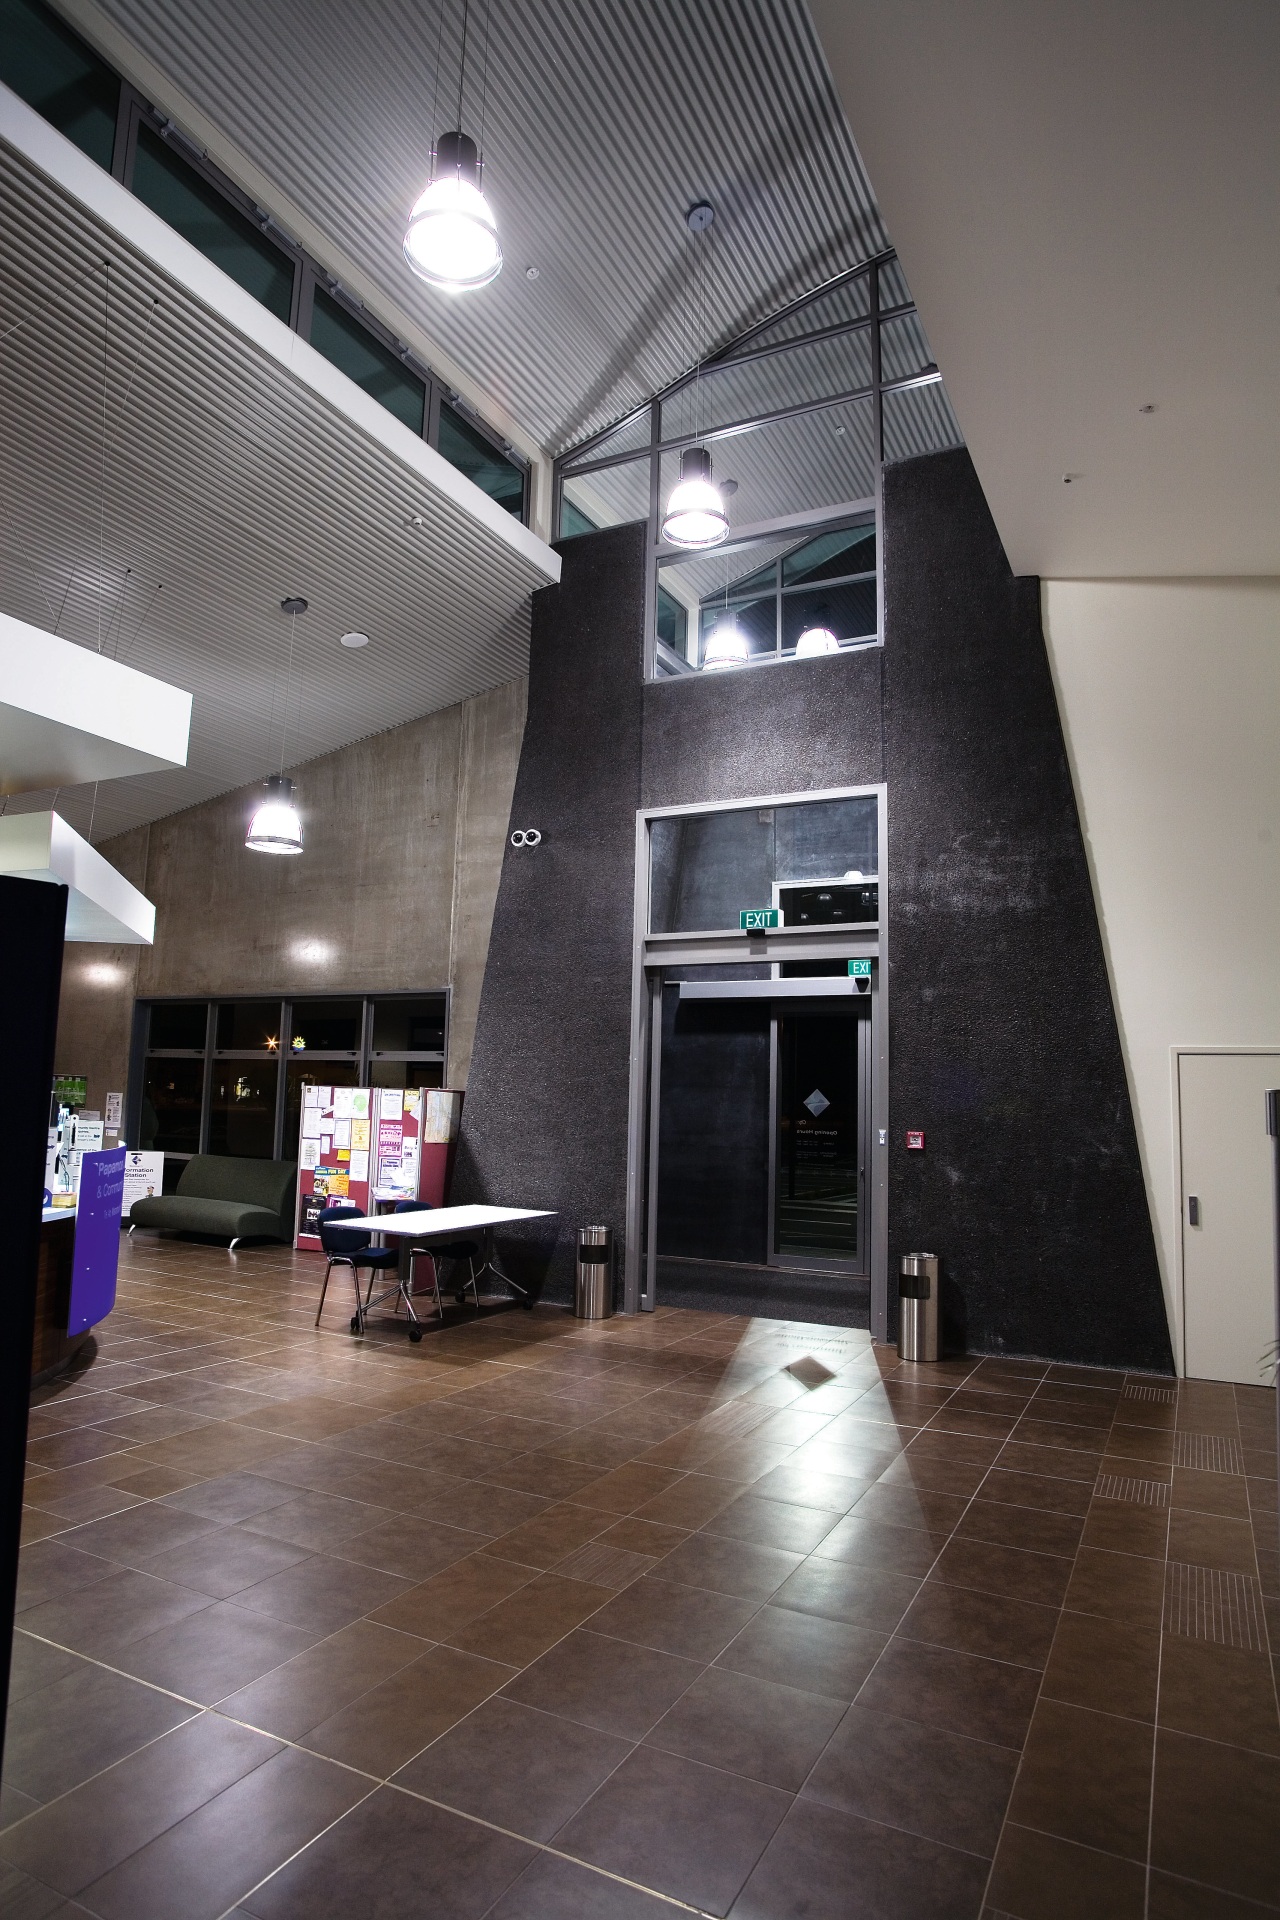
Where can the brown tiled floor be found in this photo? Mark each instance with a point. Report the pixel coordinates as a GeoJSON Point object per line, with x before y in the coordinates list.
{"type": "Point", "coordinates": [551, 1622]}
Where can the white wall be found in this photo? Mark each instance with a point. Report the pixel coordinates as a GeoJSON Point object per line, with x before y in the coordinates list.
{"type": "Point", "coordinates": [1170, 698]}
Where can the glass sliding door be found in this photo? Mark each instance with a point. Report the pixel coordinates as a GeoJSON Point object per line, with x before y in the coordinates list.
{"type": "Point", "coordinates": [820, 1139]}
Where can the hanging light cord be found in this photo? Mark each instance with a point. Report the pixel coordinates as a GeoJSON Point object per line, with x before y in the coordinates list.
{"type": "Point", "coordinates": [102, 477]}
{"type": "Point", "coordinates": [288, 682]}
{"type": "Point", "coordinates": [68, 286]}
{"type": "Point", "coordinates": [484, 80]}
{"type": "Point", "coordinates": [462, 62]}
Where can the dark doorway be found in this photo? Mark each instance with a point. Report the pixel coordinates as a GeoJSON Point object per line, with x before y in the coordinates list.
{"type": "Point", "coordinates": [821, 1128]}
{"type": "Point", "coordinates": [713, 1143]}
{"type": "Point", "coordinates": [763, 1109]}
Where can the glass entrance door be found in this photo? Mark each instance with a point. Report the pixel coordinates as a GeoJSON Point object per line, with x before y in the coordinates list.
{"type": "Point", "coordinates": [820, 1139]}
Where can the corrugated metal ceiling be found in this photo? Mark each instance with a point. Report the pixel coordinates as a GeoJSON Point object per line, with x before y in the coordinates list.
{"type": "Point", "coordinates": [229, 484]}
{"type": "Point", "coordinates": [602, 123]}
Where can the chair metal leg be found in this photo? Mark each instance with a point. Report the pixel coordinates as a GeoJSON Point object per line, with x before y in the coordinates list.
{"type": "Point", "coordinates": [324, 1289]}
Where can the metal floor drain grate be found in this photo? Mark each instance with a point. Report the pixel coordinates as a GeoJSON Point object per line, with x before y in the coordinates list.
{"type": "Point", "coordinates": [1208, 1452]}
{"type": "Point", "coordinates": [1163, 1396]}
{"type": "Point", "coordinates": [1205, 1603]}
{"type": "Point", "coordinates": [1145, 1493]}
{"type": "Point", "coordinates": [605, 1566]}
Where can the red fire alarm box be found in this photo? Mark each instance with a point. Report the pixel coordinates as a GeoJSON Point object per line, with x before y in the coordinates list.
{"type": "Point", "coordinates": [915, 1141]}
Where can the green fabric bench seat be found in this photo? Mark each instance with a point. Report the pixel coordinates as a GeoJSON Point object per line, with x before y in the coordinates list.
{"type": "Point", "coordinates": [226, 1198]}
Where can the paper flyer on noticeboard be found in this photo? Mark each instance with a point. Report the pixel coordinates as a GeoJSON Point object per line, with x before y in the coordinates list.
{"type": "Point", "coordinates": [360, 1134]}
{"type": "Point", "coordinates": [359, 1103]}
{"type": "Point", "coordinates": [341, 1131]}
{"type": "Point", "coordinates": [310, 1154]}
{"type": "Point", "coordinates": [359, 1165]}
{"type": "Point", "coordinates": [342, 1102]}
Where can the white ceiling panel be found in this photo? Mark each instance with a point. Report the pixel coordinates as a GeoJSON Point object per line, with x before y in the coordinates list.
{"type": "Point", "coordinates": [222, 483]}
{"type": "Point", "coordinates": [601, 124]}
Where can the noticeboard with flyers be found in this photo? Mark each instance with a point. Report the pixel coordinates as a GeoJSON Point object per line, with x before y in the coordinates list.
{"type": "Point", "coordinates": [368, 1147]}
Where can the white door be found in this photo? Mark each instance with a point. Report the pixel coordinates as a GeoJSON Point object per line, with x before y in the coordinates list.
{"type": "Point", "coordinates": [1228, 1221]}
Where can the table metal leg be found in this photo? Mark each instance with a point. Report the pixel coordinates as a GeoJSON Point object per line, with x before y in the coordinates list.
{"type": "Point", "coordinates": [490, 1265]}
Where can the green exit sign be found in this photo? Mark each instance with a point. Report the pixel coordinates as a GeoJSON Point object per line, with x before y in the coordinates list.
{"type": "Point", "coordinates": [759, 919]}
{"type": "Point", "coordinates": [859, 969]}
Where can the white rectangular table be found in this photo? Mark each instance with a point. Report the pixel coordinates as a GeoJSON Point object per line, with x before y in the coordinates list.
{"type": "Point", "coordinates": [425, 1224]}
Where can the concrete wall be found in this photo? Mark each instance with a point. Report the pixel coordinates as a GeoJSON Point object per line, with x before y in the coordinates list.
{"type": "Point", "coordinates": [404, 840]}
{"type": "Point", "coordinates": [1169, 692]}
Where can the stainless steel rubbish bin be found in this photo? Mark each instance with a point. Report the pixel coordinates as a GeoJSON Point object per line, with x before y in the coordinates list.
{"type": "Point", "coordinates": [918, 1307]}
{"type": "Point", "coordinates": [593, 1282]}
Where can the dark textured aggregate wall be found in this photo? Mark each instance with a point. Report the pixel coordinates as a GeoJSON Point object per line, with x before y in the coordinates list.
{"type": "Point", "coordinates": [545, 1115]}
{"type": "Point", "coordinates": [1003, 1041]}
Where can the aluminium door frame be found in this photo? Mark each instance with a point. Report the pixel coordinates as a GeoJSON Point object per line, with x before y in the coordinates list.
{"type": "Point", "coordinates": [1177, 1306]}
{"type": "Point", "coordinates": [653, 952]}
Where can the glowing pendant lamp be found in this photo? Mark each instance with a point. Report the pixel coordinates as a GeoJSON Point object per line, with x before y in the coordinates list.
{"type": "Point", "coordinates": [816, 640]}
{"type": "Point", "coordinates": [275, 827]}
{"type": "Point", "coordinates": [451, 240]}
{"type": "Point", "coordinates": [695, 515]}
{"type": "Point", "coordinates": [726, 646]}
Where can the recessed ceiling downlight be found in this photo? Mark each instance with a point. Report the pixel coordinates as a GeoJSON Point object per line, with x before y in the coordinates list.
{"type": "Point", "coordinates": [354, 640]}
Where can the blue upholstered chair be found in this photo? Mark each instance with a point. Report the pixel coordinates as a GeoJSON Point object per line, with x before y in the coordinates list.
{"type": "Point", "coordinates": [351, 1247]}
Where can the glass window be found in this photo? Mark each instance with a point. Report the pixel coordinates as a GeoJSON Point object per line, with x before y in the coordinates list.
{"type": "Point", "coordinates": [301, 1072]}
{"type": "Point", "coordinates": [327, 1026]}
{"type": "Point", "coordinates": [466, 448]}
{"type": "Point", "coordinates": [247, 1024]}
{"type": "Point", "coordinates": [825, 580]}
{"type": "Point", "coordinates": [831, 556]}
{"type": "Point", "coordinates": [919, 420]}
{"type": "Point", "coordinates": [755, 620]}
{"type": "Point", "coordinates": [242, 1110]}
{"type": "Point", "coordinates": [171, 1095]}
{"type": "Point", "coordinates": [340, 337]}
{"type": "Point", "coordinates": [181, 1025]}
{"type": "Point", "coordinates": [407, 1073]}
{"type": "Point", "coordinates": [706, 868]}
{"type": "Point", "coordinates": [791, 466]}
{"type": "Point", "coordinates": [744, 390]}
{"type": "Point", "coordinates": [408, 1026]}
{"type": "Point", "coordinates": [573, 520]}
{"type": "Point", "coordinates": [610, 497]}
{"type": "Point", "coordinates": [192, 205]}
{"type": "Point", "coordinates": [849, 612]}
{"type": "Point", "coordinates": [57, 74]}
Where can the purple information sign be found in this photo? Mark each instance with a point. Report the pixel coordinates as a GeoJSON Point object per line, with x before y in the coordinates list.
{"type": "Point", "coordinates": [97, 1250]}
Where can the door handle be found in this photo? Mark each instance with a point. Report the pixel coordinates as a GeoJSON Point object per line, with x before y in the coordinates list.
{"type": "Point", "coordinates": [1193, 1210]}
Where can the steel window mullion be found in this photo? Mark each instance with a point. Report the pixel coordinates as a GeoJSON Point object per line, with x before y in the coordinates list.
{"type": "Point", "coordinates": [651, 562]}
{"type": "Point", "coordinates": [206, 1091]}
{"type": "Point", "coordinates": [877, 448]}
{"type": "Point", "coordinates": [282, 1077]}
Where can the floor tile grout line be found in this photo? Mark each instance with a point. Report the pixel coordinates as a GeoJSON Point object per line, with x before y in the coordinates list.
{"type": "Point", "coordinates": [1040, 1695]}
{"type": "Point", "coordinates": [891, 1637]}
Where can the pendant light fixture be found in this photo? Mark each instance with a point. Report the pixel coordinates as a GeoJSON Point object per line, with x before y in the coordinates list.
{"type": "Point", "coordinates": [726, 646]}
{"type": "Point", "coordinates": [816, 639]}
{"type": "Point", "coordinates": [451, 240]}
{"type": "Point", "coordinates": [695, 515]}
{"type": "Point", "coordinates": [275, 827]}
